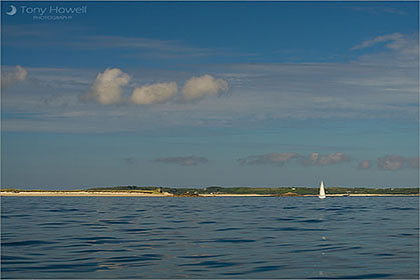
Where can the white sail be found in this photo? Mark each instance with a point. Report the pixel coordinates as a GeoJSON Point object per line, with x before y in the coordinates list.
{"type": "Point", "coordinates": [322, 191]}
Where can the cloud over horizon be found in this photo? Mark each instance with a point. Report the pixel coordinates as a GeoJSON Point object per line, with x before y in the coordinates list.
{"type": "Point", "coordinates": [107, 87]}
{"type": "Point", "coordinates": [272, 158]}
{"type": "Point", "coordinates": [197, 87]}
{"type": "Point", "coordinates": [10, 78]}
{"type": "Point", "coordinates": [281, 158]}
{"type": "Point", "coordinates": [317, 159]}
{"type": "Point", "coordinates": [365, 164]}
{"type": "Point", "coordinates": [154, 93]}
{"type": "Point", "coordinates": [388, 162]}
{"type": "Point", "coordinates": [184, 161]}
{"type": "Point", "coordinates": [397, 162]}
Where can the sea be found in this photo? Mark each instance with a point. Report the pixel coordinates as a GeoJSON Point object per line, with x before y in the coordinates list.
{"type": "Point", "coordinates": [209, 238]}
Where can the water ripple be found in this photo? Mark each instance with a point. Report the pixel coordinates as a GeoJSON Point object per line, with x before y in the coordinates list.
{"type": "Point", "coordinates": [26, 243]}
{"type": "Point", "coordinates": [212, 264]}
{"type": "Point", "coordinates": [163, 238]}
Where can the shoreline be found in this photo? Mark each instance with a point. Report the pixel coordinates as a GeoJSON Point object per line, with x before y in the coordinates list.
{"type": "Point", "coordinates": [87, 194]}
{"type": "Point", "coordinates": [164, 194]}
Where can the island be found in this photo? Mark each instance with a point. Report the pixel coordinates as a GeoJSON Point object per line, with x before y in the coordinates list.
{"type": "Point", "coordinates": [214, 191]}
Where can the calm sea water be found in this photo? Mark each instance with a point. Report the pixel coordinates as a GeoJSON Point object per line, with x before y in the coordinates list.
{"type": "Point", "coordinates": [266, 237]}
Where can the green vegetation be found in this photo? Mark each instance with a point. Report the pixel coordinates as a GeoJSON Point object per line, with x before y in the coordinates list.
{"type": "Point", "coordinates": [11, 190]}
{"type": "Point", "coordinates": [282, 191]}
{"type": "Point", "coordinates": [261, 191]}
{"type": "Point", "coordinates": [126, 189]}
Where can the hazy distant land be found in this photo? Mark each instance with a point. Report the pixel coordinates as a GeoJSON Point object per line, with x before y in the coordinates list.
{"type": "Point", "coordinates": [213, 191]}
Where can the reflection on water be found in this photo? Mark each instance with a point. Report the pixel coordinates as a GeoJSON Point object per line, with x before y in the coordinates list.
{"type": "Point", "coordinates": [262, 237]}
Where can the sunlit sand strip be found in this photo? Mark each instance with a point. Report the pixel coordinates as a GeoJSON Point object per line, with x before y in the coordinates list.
{"type": "Point", "coordinates": [108, 194]}
{"type": "Point", "coordinates": [111, 194]}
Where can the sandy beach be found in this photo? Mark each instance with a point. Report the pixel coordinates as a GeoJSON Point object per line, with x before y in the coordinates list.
{"type": "Point", "coordinates": [82, 193]}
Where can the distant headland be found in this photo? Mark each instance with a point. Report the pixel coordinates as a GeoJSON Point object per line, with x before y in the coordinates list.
{"type": "Point", "coordinates": [151, 191]}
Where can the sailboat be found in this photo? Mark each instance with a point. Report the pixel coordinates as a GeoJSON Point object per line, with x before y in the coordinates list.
{"type": "Point", "coordinates": [322, 191]}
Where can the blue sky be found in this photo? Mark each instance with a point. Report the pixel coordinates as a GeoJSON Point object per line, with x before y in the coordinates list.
{"type": "Point", "coordinates": [210, 93]}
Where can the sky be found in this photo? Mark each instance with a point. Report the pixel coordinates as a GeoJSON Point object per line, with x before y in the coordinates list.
{"type": "Point", "coordinates": [196, 94]}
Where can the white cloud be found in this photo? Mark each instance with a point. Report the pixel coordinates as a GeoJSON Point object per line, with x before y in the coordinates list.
{"type": "Point", "coordinates": [271, 158]}
{"type": "Point", "coordinates": [184, 161]}
{"type": "Point", "coordinates": [282, 158]}
{"type": "Point", "coordinates": [402, 43]}
{"type": "Point", "coordinates": [333, 158]}
{"type": "Point", "coordinates": [397, 162]}
{"type": "Point", "coordinates": [197, 87]}
{"type": "Point", "coordinates": [107, 88]}
{"type": "Point", "coordinates": [379, 85]}
{"type": "Point", "coordinates": [392, 162]}
{"type": "Point", "coordinates": [379, 39]}
{"type": "Point", "coordinates": [316, 159]}
{"type": "Point", "coordinates": [17, 74]}
{"type": "Point", "coordinates": [155, 93]}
